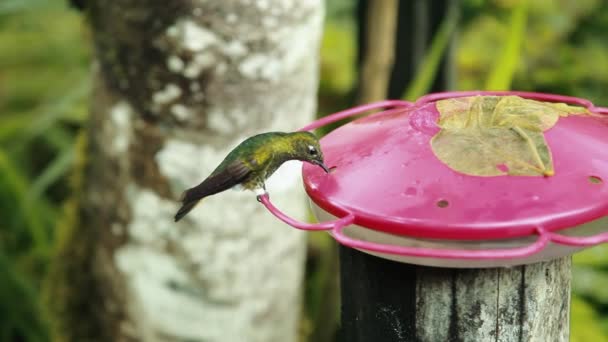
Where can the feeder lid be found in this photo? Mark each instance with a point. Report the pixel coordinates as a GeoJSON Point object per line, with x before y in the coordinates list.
{"type": "Point", "coordinates": [387, 175]}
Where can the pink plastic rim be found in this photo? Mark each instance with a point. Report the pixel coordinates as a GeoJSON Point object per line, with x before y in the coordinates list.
{"type": "Point", "coordinates": [337, 226]}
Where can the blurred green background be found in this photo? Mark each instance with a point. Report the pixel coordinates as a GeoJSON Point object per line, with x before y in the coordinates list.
{"type": "Point", "coordinates": [557, 46]}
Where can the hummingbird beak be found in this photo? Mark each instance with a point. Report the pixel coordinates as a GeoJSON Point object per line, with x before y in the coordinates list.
{"type": "Point", "coordinates": [325, 168]}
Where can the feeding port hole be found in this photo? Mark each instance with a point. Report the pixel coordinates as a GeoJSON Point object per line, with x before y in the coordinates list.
{"type": "Point", "coordinates": [443, 203]}
{"type": "Point", "coordinates": [595, 180]}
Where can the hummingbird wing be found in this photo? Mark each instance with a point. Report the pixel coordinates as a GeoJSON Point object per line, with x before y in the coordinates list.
{"type": "Point", "coordinates": [235, 173]}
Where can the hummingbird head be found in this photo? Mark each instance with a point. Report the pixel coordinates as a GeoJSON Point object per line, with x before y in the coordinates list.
{"type": "Point", "coordinates": [308, 149]}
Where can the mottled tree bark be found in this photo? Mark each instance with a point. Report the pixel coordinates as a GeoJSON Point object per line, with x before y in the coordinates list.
{"type": "Point", "coordinates": [392, 301]}
{"type": "Point", "coordinates": [179, 84]}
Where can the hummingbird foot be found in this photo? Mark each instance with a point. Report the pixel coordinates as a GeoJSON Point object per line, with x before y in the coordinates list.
{"type": "Point", "coordinates": [259, 192]}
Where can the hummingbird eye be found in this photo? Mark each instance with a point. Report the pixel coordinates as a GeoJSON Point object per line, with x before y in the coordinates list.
{"type": "Point", "coordinates": [312, 150]}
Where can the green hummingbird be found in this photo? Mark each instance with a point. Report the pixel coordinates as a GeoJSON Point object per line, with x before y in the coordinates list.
{"type": "Point", "coordinates": [249, 164]}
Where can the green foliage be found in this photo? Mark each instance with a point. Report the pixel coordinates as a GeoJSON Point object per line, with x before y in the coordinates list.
{"type": "Point", "coordinates": [427, 72]}
{"type": "Point", "coordinates": [43, 87]}
{"type": "Point", "coordinates": [501, 77]}
{"type": "Point", "coordinates": [595, 257]}
{"type": "Point", "coordinates": [16, 6]}
{"type": "Point", "coordinates": [562, 50]}
{"type": "Point", "coordinates": [337, 58]}
{"type": "Point", "coordinates": [337, 64]}
{"type": "Point", "coordinates": [18, 307]}
{"type": "Point", "coordinates": [585, 323]}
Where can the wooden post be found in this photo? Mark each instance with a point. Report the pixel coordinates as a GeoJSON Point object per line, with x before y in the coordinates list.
{"type": "Point", "coordinates": [388, 301]}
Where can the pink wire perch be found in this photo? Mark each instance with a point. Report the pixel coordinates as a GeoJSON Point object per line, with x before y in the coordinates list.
{"type": "Point", "coordinates": [336, 228]}
{"type": "Point", "coordinates": [355, 111]}
{"type": "Point", "coordinates": [579, 241]}
{"type": "Point", "coordinates": [330, 225]}
{"type": "Point", "coordinates": [499, 253]}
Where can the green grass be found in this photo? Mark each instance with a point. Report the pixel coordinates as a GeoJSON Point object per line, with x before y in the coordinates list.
{"type": "Point", "coordinates": [44, 83]}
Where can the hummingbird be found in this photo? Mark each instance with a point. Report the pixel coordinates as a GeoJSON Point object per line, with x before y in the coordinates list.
{"type": "Point", "coordinates": [250, 164]}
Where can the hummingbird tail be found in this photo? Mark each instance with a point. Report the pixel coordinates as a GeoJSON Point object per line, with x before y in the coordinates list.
{"type": "Point", "coordinates": [215, 183]}
{"type": "Point", "coordinates": [190, 198]}
{"type": "Point", "coordinates": [186, 207]}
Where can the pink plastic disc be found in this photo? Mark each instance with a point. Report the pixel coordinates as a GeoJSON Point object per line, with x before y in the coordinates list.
{"type": "Point", "coordinates": [387, 177]}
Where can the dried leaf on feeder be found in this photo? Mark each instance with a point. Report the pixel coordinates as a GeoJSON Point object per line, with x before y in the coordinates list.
{"type": "Point", "coordinates": [497, 135]}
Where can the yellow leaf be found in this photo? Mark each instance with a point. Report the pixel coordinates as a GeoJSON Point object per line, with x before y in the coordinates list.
{"type": "Point", "coordinates": [497, 135]}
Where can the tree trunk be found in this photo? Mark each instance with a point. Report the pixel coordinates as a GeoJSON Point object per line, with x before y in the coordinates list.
{"type": "Point", "coordinates": [381, 20]}
{"type": "Point", "coordinates": [418, 23]}
{"type": "Point", "coordinates": [179, 84]}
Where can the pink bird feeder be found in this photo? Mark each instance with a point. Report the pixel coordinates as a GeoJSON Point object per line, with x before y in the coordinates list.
{"type": "Point", "coordinates": [391, 196]}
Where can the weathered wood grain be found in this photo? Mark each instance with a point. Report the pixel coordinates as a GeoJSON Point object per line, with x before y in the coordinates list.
{"type": "Point", "coordinates": [387, 301]}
